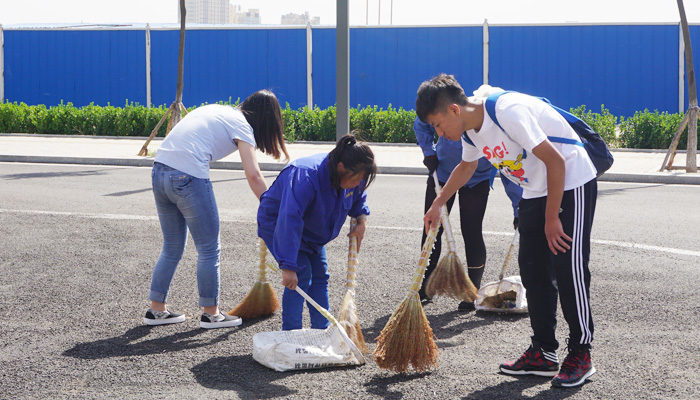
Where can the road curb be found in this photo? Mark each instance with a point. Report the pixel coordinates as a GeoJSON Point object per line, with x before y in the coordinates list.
{"type": "Point", "coordinates": [659, 178]}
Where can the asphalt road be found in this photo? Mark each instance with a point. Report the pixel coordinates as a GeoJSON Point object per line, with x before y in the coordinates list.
{"type": "Point", "coordinates": [79, 244]}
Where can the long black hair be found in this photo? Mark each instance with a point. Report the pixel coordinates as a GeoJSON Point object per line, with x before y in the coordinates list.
{"type": "Point", "coordinates": [262, 111]}
{"type": "Point", "coordinates": [356, 157]}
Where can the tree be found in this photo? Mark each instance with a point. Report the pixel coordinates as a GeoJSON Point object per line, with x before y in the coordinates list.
{"type": "Point", "coordinates": [691, 116]}
{"type": "Point", "coordinates": [177, 109]}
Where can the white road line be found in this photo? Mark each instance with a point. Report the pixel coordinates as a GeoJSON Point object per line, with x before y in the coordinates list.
{"type": "Point", "coordinates": [386, 228]}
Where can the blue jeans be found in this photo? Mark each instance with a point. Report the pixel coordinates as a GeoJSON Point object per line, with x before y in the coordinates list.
{"type": "Point", "coordinates": [185, 202]}
{"type": "Point", "coordinates": [313, 279]}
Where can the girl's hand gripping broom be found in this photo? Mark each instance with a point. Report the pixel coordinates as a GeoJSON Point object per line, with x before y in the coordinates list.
{"type": "Point", "coordinates": [407, 337]}
{"type": "Point", "coordinates": [262, 300]}
{"type": "Point", "coordinates": [355, 351]}
{"type": "Point", "coordinates": [449, 278]}
{"type": "Point", "coordinates": [347, 316]}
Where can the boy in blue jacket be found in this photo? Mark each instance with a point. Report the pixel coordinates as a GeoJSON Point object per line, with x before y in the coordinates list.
{"type": "Point", "coordinates": [303, 210]}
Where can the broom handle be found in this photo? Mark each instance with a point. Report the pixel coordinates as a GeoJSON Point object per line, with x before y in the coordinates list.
{"type": "Point", "coordinates": [355, 351]}
{"type": "Point", "coordinates": [352, 257]}
{"type": "Point", "coordinates": [423, 262]}
{"type": "Point", "coordinates": [444, 216]}
{"type": "Point", "coordinates": [509, 255]}
{"type": "Point", "coordinates": [262, 258]}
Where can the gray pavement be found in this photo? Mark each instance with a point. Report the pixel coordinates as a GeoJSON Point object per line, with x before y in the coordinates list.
{"type": "Point", "coordinates": [640, 166]}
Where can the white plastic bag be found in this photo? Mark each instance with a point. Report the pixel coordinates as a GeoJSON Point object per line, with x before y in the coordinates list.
{"type": "Point", "coordinates": [511, 283]}
{"type": "Point", "coordinates": [302, 349]}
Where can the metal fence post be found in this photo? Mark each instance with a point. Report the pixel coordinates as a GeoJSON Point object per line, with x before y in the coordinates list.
{"type": "Point", "coordinates": [148, 65]}
{"type": "Point", "coordinates": [2, 64]}
{"type": "Point", "coordinates": [342, 79]}
{"type": "Point", "coordinates": [309, 68]}
{"type": "Point", "coordinates": [486, 52]}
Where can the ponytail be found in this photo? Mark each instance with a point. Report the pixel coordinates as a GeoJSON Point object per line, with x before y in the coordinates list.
{"type": "Point", "coordinates": [356, 156]}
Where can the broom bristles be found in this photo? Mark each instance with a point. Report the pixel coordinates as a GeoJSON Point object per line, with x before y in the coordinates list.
{"type": "Point", "coordinates": [347, 317]}
{"type": "Point", "coordinates": [261, 301]}
{"type": "Point", "coordinates": [407, 339]}
{"type": "Point", "coordinates": [449, 279]}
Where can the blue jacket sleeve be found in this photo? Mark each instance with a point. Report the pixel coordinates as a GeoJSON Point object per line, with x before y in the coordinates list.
{"type": "Point", "coordinates": [425, 137]}
{"type": "Point", "coordinates": [514, 192]}
{"type": "Point", "coordinates": [296, 197]}
{"type": "Point", "coordinates": [359, 206]}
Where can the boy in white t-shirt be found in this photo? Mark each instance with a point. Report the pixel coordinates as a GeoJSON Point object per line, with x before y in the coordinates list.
{"type": "Point", "coordinates": [556, 211]}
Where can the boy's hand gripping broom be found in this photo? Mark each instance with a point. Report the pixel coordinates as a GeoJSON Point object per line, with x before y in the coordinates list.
{"type": "Point", "coordinates": [347, 316]}
{"type": "Point", "coordinates": [407, 337]}
{"type": "Point", "coordinates": [355, 351]}
{"type": "Point", "coordinates": [505, 295]}
{"type": "Point", "coordinates": [449, 278]}
{"type": "Point", "coordinates": [262, 300]}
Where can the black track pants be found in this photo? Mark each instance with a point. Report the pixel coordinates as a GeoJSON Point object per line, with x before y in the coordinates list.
{"type": "Point", "coordinates": [546, 275]}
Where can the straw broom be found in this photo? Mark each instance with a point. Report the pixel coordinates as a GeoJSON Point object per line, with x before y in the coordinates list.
{"type": "Point", "coordinates": [449, 278]}
{"type": "Point", "coordinates": [262, 300]}
{"type": "Point", "coordinates": [347, 316]}
{"type": "Point", "coordinates": [407, 337]}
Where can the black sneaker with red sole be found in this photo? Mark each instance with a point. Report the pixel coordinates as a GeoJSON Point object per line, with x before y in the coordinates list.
{"type": "Point", "coordinates": [534, 361]}
{"type": "Point", "coordinates": [577, 367]}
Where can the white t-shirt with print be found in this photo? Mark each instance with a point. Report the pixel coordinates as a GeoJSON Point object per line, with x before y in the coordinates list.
{"type": "Point", "coordinates": [528, 121]}
{"type": "Point", "coordinates": [206, 134]}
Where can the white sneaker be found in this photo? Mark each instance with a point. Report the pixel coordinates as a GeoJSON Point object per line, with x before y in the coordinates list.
{"type": "Point", "coordinates": [220, 320]}
{"type": "Point", "coordinates": [154, 317]}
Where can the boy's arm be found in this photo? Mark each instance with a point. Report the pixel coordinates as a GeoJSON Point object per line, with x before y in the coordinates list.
{"type": "Point", "coordinates": [556, 173]}
{"type": "Point", "coordinates": [458, 178]}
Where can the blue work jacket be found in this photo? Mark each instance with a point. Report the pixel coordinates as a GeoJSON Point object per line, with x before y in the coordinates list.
{"type": "Point", "coordinates": [301, 211]}
{"type": "Point", "coordinates": [449, 154]}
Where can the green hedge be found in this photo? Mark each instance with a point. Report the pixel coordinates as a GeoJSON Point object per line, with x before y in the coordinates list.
{"type": "Point", "coordinates": [644, 130]}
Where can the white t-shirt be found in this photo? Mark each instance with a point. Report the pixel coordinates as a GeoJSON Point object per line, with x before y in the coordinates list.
{"type": "Point", "coordinates": [528, 121]}
{"type": "Point", "coordinates": [206, 134]}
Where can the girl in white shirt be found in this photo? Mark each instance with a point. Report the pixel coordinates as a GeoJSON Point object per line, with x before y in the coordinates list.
{"type": "Point", "coordinates": [185, 198]}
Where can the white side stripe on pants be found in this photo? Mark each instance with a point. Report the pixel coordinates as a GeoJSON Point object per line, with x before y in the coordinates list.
{"type": "Point", "coordinates": [582, 301]}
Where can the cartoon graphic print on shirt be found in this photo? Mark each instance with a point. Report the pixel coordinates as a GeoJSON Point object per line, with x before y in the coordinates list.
{"type": "Point", "coordinates": [512, 169]}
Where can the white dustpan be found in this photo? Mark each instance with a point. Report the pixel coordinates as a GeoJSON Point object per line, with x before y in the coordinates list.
{"type": "Point", "coordinates": [507, 295]}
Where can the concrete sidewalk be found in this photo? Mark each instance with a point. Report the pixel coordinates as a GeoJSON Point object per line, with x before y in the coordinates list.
{"type": "Point", "coordinates": [630, 165]}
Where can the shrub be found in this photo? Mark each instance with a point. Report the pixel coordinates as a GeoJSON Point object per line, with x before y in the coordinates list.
{"type": "Point", "coordinates": [647, 130]}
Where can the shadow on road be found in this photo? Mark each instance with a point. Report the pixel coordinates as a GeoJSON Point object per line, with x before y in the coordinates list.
{"type": "Point", "coordinates": [248, 378]}
{"type": "Point", "coordinates": [131, 343]}
{"type": "Point", "coordinates": [514, 389]}
{"type": "Point", "coordinates": [379, 385]}
{"type": "Point", "coordinates": [100, 171]}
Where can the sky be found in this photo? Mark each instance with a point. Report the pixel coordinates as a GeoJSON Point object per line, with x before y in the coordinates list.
{"type": "Point", "coordinates": [363, 12]}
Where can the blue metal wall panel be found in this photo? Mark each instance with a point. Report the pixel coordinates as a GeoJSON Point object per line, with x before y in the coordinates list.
{"type": "Point", "coordinates": [223, 64]}
{"type": "Point", "coordinates": [80, 67]}
{"type": "Point", "coordinates": [323, 67]}
{"type": "Point", "coordinates": [388, 64]}
{"type": "Point", "coordinates": [626, 68]}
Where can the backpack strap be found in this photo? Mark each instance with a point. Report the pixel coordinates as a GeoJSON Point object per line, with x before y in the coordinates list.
{"type": "Point", "coordinates": [490, 105]}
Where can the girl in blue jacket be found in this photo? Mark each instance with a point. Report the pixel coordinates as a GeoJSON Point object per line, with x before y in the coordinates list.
{"type": "Point", "coordinates": [303, 210]}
